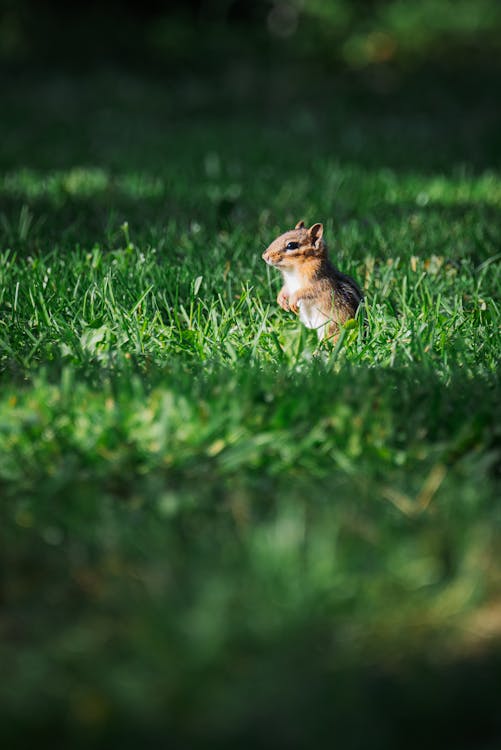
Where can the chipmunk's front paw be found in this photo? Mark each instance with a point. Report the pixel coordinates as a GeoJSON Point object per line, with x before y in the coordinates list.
{"type": "Point", "coordinates": [294, 301]}
{"type": "Point", "coordinates": [283, 300]}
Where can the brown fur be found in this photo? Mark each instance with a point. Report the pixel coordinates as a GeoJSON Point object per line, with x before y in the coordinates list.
{"type": "Point", "coordinates": [313, 287]}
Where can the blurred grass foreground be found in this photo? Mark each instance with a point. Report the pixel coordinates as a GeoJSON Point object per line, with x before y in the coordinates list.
{"type": "Point", "coordinates": [214, 533]}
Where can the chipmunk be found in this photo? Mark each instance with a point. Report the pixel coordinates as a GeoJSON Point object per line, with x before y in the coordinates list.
{"type": "Point", "coordinates": [323, 297]}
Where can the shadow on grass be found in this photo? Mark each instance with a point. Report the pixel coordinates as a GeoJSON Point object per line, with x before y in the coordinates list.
{"type": "Point", "coordinates": [304, 625]}
{"type": "Point", "coordinates": [118, 119]}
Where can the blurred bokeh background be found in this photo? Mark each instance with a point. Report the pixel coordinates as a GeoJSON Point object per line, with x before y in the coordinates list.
{"type": "Point", "coordinates": [208, 34]}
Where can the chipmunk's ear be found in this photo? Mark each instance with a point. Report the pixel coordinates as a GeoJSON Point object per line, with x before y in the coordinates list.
{"type": "Point", "coordinates": [316, 233]}
{"type": "Point", "coordinates": [299, 225]}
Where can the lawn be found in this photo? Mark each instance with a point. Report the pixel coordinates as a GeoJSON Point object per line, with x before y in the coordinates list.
{"type": "Point", "coordinates": [212, 530]}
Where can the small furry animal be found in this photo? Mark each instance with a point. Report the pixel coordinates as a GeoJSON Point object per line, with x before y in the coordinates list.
{"type": "Point", "coordinates": [323, 297]}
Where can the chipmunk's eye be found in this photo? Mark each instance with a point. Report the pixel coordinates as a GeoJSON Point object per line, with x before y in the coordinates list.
{"type": "Point", "coordinates": [292, 246]}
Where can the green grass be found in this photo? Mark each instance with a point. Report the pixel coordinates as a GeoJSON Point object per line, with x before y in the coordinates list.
{"type": "Point", "coordinates": [212, 529]}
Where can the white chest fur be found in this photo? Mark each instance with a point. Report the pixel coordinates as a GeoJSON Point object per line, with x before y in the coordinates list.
{"type": "Point", "coordinates": [292, 280]}
{"type": "Point", "coordinates": [311, 317]}
{"type": "Point", "coordinates": [309, 314]}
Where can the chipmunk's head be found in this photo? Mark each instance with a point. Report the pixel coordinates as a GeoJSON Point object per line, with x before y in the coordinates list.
{"type": "Point", "coordinates": [296, 246]}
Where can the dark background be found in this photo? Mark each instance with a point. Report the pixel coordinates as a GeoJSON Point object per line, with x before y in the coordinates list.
{"type": "Point", "coordinates": [202, 34]}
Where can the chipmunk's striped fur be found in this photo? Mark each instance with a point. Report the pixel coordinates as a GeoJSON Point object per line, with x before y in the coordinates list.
{"type": "Point", "coordinates": [323, 297]}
